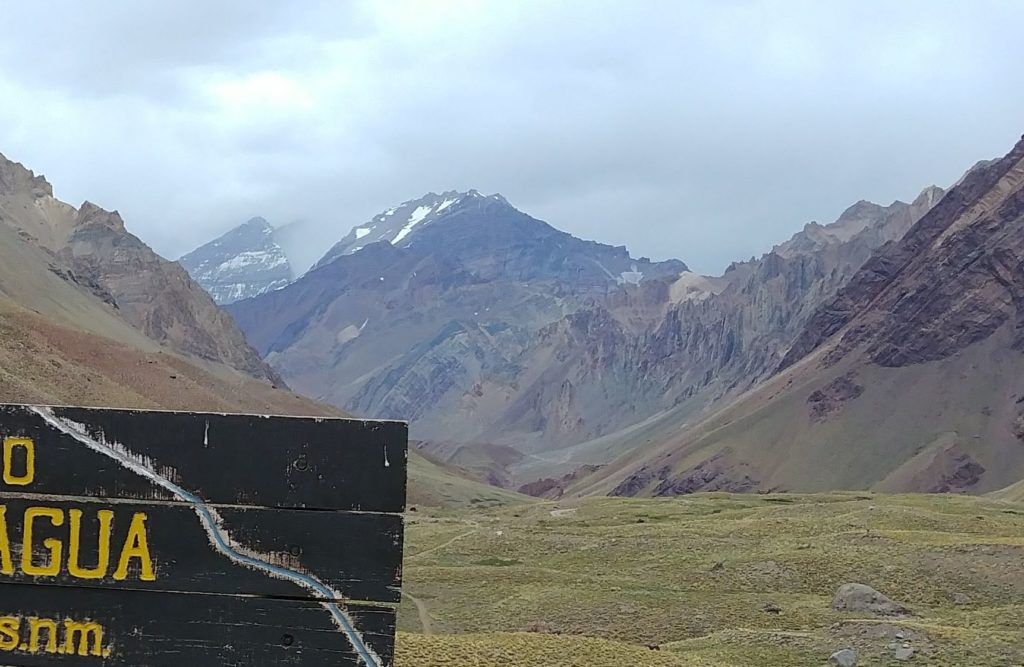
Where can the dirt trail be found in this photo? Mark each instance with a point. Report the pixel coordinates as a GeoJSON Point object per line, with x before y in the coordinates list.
{"type": "Point", "coordinates": [442, 546]}
{"type": "Point", "coordinates": [426, 627]}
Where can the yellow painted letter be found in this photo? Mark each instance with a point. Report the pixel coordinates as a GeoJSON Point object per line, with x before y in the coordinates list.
{"type": "Point", "coordinates": [83, 632]}
{"type": "Point", "coordinates": [6, 565]}
{"type": "Point", "coordinates": [136, 545]}
{"type": "Point", "coordinates": [37, 624]}
{"type": "Point", "coordinates": [30, 461]}
{"type": "Point", "coordinates": [52, 568]}
{"type": "Point", "coordinates": [10, 629]}
{"type": "Point", "coordinates": [105, 519]}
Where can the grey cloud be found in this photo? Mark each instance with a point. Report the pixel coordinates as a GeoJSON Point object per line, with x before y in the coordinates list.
{"type": "Point", "coordinates": [707, 131]}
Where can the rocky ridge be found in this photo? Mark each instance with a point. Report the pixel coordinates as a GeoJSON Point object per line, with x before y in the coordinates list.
{"type": "Point", "coordinates": [907, 378]}
{"type": "Point", "coordinates": [91, 247]}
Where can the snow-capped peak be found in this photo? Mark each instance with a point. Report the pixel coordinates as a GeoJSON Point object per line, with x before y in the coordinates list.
{"type": "Point", "coordinates": [242, 263]}
{"type": "Point", "coordinates": [397, 225]}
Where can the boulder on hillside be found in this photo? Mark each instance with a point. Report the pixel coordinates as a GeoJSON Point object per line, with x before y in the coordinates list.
{"type": "Point", "coordinates": [862, 598]}
{"type": "Point", "coordinates": [846, 657]}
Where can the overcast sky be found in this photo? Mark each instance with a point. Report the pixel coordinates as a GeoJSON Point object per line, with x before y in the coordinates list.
{"type": "Point", "coordinates": [706, 131]}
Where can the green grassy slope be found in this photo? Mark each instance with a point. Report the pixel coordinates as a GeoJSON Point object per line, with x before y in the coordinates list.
{"type": "Point", "coordinates": [433, 485]}
{"type": "Point", "coordinates": [694, 574]}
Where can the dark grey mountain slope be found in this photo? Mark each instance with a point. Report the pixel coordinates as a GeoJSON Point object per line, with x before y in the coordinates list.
{"type": "Point", "coordinates": [423, 329]}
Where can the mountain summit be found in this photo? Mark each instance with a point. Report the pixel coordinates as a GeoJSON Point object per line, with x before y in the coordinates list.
{"type": "Point", "coordinates": [495, 240]}
{"type": "Point", "coordinates": [396, 224]}
{"type": "Point", "coordinates": [243, 263]}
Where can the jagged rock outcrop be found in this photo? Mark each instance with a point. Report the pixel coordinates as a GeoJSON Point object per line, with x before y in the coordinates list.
{"type": "Point", "coordinates": [951, 281]}
{"type": "Point", "coordinates": [829, 400]}
{"type": "Point", "coordinates": [737, 337]}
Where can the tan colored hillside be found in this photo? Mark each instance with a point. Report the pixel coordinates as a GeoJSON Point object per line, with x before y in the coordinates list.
{"type": "Point", "coordinates": [92, 249]}
{"type": "Point", "coordinates": [44, 362]}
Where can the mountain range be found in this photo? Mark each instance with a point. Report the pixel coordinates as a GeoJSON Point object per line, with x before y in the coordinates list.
{"type": "Point", "coordinates": [881, 351]}
{"type": "Point", "coordinates": [90, 315]}
{"type": "Point", "coordinates": [539, 361]}
{"type": "Point", "coordinates": [437, 327]}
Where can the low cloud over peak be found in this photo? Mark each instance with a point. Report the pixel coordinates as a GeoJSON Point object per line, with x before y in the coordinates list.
{"type": "Point", "coordinates": [703, 131]}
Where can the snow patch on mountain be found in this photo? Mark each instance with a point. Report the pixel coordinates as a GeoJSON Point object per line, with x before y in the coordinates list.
{"type": "Point", "coordinates": [417, 217]}
{"type": "Point", "coordinates": [632, 277]}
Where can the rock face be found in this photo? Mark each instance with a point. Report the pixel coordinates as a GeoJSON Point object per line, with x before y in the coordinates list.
{"type": "Point", "coordinates": [91, 247]}
{"type": "Point", "coordinates": [245, 262]}
{"type": "Point", "coordinates": [864, 599]}
{"type": "Point", "coordinates": [735, 338]}
{"type": "Point", "coordinates": [953, 280]}
{"type": "Point", "coordinates": [829, 400]}
{"type": "Point", "coordinates": [904, 378]}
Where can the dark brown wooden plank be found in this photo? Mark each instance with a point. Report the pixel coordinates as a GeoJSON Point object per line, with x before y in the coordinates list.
{"type": "Point", "coordinates": [175, 630]}
{"type": "Point", "coordinates": [286, 462]}
{"type": "Point", "coordinates": [206, 549]}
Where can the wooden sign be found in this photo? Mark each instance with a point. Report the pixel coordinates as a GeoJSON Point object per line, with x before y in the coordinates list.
{"type": "Point", "coordinates": [163, 539]}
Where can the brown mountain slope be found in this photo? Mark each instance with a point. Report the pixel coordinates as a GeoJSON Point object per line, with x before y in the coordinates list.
{"type": "Point", "coordinates": [91, 247]}
{"type": "Point", "coordinates": [910, 379]}
{"type": "Point", "coordinates": [1013, 493]}
{"type": "Point", "coordinates": [44, 362]}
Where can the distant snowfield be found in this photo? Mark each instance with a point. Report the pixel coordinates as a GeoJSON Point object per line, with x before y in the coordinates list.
{"type": "Point", "coordinates": [252, 258]}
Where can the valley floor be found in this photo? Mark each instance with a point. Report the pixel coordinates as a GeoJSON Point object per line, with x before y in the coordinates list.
{"type": "Point", "coordinates": [713, 580]}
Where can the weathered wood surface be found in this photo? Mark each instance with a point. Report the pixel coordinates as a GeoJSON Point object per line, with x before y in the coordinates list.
{"type": "Point", "coordinates": [357, 555]}
{"type": "Point", "coordinates": [139, 629]}
{"type": "Point", "coordinates": [288, 462]}
{"type": "Point", "coordinates": [158, 539]}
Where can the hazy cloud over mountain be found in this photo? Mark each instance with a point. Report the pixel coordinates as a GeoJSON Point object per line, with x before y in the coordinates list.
{"type": "Point", "coordinates": [704, 130]}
